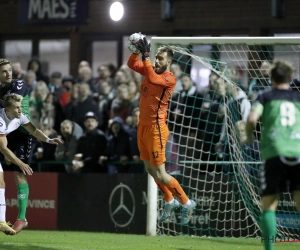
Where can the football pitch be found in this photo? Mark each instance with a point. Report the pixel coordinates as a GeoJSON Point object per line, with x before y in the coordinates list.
{"type": "Point", "coordinates": [56, 240]}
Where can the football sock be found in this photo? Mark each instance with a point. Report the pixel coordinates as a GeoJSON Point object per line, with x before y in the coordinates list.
{"type": "Point", "coordinates": [186, 205]}
{"type": "Point", "coordinates": [2, 205]}
{"type": "Point", "coordinates": [170, 202]}
{"type": "Point", "coordinates": [23, 192]}
{"type": "Point", "coordinates": [177, 190]}
{"type": "Point", "coordinates": [166, 192]}
{"type": "Point", "coordinates": [268, 227]}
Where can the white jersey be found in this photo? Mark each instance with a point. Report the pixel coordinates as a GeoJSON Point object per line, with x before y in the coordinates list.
{"type": "Point", "coordinates": [7, 126]}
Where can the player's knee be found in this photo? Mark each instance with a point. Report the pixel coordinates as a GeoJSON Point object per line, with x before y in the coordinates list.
{"type": "Point", "coordinates": [20, 178]}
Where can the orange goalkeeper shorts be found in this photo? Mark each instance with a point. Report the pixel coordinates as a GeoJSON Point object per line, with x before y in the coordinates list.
{"type": "Point", "coordinates": [152, 140]}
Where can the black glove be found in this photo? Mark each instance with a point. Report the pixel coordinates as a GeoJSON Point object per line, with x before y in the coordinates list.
{"type": "Point", "coordinates": [144, 47]}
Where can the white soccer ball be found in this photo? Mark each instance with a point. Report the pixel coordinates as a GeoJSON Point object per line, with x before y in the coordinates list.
{"type": "Point", "coordinates": [134, 38]}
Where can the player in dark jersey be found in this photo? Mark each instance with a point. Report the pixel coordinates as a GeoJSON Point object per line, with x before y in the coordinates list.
{"type": "Point", "coordinates": [20, 142]}
{"type": "Point", "coordinates": [279, 111]}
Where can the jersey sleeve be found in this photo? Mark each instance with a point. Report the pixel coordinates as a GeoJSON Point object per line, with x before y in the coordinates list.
{"type": "Point", "coordinates": [24, 120]}
{"type": "Point", "coordinates": [20, 88]}
{"type": "Point", "coordinates": [136, 65]}
{"type": "Point", "coordinates": [258, 104]}
{"type": "Point", "coordinates": [2, 127]}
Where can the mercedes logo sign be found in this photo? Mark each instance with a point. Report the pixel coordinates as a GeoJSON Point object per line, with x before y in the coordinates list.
{"type": "Point", "coordinates": [121, 205]}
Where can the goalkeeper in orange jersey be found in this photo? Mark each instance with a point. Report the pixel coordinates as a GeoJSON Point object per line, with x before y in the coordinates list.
{"type": "Point", "coordinates": [155, 91]}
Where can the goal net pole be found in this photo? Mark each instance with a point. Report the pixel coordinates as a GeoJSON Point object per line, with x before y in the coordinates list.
{"type": "Point", "coordinates": [151, 207]}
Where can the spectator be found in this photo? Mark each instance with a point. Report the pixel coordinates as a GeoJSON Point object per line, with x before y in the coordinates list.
{"type": "Point", "coordinates": [104, 74]}
{"type": "Point", "coordinates": [261, 81]}
{"type": "Point", "coordinates": [30, 79]}
{"type": "Point", "coordinates": [120, 78]}
{"type": "Point", "coordinates": [73, 97]}
{"type": "Point", "coordinates": [83, 64]}
{"type": "Point", "coordinates": [178, 74]}
{"type": "Point", "coordinates": [106, 95]}
{"type": "Point", "coordinates": [186, 115]}
{"type": "Point", "coordinates": [60, 93]}
{"type": "Point", "coordinates": [210, 91]}
{"type": "Point", "coordinates": [48, 112]}
{"type": "Point", "coordinates": [17, 72]}
{"type": "Point", "coordinates": [212, 116]}
{"type": "Point", "coordinates": [117, 154]}
{"type": "Point", "coordinates": [237, 110]}
{"type": "Point", "coordinates": [85, 75]}
{"type": "Point", "coordinates": [91, 145]}
{"type": "Point", "coordinates": [121, 104]}
{"type": "Point", "coordinates": [134, 93]}
{"type": "Point", "coordinates": [36, 100]}
{"type": "Point", "coordinates": [67, 82]}
{"type": "Point", "coordinates": [137, 166]}
{"type": "Point", "coordinates": [71, 132]}
{"type": "Point", "coordinates": [82, 105]}
{"type": "Point", "coordinates": [46, 152]}
{"type": "Point", "coordinates": [35, 65]}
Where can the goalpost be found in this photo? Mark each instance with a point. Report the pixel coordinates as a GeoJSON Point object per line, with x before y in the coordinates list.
{"type": "Point", "coordinates": [224, 181]}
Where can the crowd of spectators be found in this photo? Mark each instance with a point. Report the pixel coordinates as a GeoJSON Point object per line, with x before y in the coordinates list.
{"type": "Point", "coordinates": [97, 117]}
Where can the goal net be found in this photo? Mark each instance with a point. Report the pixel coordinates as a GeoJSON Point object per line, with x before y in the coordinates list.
{"type": "Point", "coordinates": [206, 125]}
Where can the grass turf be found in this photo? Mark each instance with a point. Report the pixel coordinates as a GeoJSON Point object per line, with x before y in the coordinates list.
{"type": "Point", "coordinates": [59, 240]}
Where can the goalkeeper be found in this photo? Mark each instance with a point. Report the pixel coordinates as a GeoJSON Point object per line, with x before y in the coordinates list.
{"type": "Point", "coordinates": [156, 88]}
{"type": "Point", "coordinates": [279, 109]}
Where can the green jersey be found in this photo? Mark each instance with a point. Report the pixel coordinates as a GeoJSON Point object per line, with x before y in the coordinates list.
{"type": "Point", "coordinates": [280, 117]}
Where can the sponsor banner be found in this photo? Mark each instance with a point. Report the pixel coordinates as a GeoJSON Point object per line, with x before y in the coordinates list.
{"type": "Point", "coordinates": [42, 203]}
{"type": "Point", "coordinates": [114, 203]}
{"type": "Point", "coordinates": [118, 204]}
{"type": "Point", "coordinates": [291, 221]}
{"type": "Point", "coordinates": [53, 12]}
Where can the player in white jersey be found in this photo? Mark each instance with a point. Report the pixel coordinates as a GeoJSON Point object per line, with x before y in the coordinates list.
{"type": "Point", "coordinates": [11, 118]}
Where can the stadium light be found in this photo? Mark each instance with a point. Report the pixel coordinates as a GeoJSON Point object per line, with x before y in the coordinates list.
{"type": "Point", "coordinates": [116, 11]}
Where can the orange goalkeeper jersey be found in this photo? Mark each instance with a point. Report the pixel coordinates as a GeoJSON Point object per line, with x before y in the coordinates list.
{"type": "Point", "coordinates": [155, 90]}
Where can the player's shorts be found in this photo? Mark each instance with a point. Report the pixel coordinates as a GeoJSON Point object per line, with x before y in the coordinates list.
{"type": "Point", "coordinates": [152, 141]}
{"type": "Point", "coordinates": [22, 145]}
{"type": "Point", "coordinates": [280, 174]}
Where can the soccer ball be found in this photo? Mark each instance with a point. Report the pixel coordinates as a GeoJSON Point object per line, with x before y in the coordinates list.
{"type": "Point", "coordinates": [134, 38]}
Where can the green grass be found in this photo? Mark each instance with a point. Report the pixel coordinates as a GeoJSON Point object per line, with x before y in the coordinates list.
{"type": "Point", "coordinates": [59, 240]}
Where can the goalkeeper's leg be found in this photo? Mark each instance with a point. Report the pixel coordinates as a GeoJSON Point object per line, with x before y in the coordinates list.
{"type": "Point", "coordinates": [169, 185]}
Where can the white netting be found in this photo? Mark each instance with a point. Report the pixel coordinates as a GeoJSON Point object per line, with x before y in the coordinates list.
{"type": "Point", "coordinates": [224, 182]}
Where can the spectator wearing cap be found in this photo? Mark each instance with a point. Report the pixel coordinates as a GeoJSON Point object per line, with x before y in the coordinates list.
{"type": "Point", "coordinates": [90, 146]}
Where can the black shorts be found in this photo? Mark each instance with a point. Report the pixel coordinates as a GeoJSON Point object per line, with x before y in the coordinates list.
{"type": "Point", "coordinates": [280, 174]}
{"type": "Point", "coordinates": [22, 145]}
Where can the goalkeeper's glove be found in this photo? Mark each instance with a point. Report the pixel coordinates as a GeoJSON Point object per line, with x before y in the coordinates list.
{"type": "Point", "coordinates": [144, 47]}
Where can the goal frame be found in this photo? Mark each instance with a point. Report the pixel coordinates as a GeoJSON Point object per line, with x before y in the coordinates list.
{"type": "Point", "coordinates": [156, 42]}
